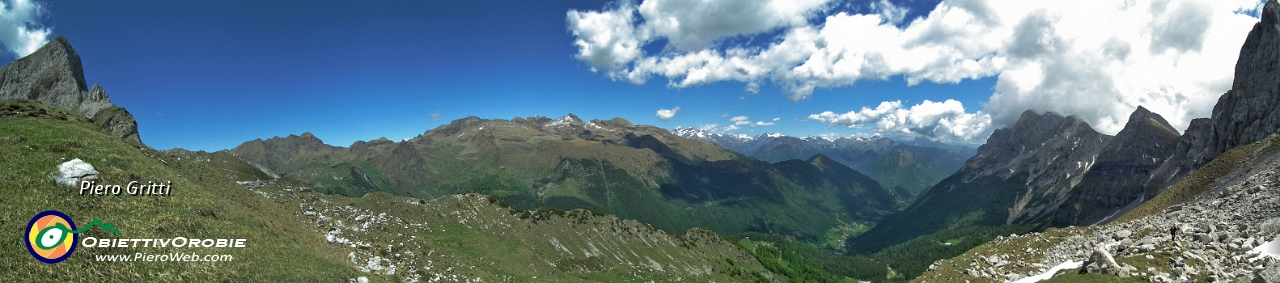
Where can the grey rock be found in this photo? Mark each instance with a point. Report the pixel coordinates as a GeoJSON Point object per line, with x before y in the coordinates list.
{"type": "Point", "coordinates": [1245, 114]}
{"type": "Point", "coordinates": [1101, 262]}
{"type": "Point", "coordinates": [1123, 234]}
{"type": "Point", "coordinates": [70, 173]}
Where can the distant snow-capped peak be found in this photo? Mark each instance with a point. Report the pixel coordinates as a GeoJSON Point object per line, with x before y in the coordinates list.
{"type": "Point", "coordinates": [703, 134]}
{"type": "Point", "coordinates": [564, 121]}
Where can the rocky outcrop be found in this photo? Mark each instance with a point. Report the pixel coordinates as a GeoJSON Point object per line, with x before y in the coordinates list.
{"type": "Point", "coordinates": [1185, 158]}
{"type": "Point", "coordinates": [1124, 165]}
{"type": "Point", "coordinates": [53, 75]}
{"type": "Point", "coordinates": [1023, 174]}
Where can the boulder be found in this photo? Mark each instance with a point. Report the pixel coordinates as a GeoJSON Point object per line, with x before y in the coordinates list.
{"type": "Point", "coordinates": [70, 173]}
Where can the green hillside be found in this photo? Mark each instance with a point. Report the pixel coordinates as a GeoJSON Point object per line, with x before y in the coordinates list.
{"type": "Point", "coordinates": [296, 235]}
{"type": "Point", "coordinates": [36, 138]}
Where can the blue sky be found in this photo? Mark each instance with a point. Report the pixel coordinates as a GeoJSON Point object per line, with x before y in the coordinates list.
{"type": "Point", "coordinates": [211, 75]}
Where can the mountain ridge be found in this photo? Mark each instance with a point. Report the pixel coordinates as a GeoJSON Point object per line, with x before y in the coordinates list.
{"type": "Point", "coordinates": [914, 165]}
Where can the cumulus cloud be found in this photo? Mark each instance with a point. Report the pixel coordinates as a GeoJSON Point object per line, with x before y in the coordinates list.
{"type": "Point", "coordinates": [20, 29]}
{"type": "Point", "coordinates": [939, 121]}
{"type": "Point", "coordinates": [1097, 60]}
{"type": "Point", "coordinates": [667, 114]}
{"type": "Point", "coordinates": [435, 116]}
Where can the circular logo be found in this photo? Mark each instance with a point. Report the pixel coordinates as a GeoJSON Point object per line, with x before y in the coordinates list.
{"type": "Point", "coordinates": [49, 236]}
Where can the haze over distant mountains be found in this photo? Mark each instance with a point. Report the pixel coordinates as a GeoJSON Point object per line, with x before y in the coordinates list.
{"type": "Point", "coordinates": [913, 166]}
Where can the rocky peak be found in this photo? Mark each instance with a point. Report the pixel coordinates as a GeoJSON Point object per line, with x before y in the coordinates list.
{"type": "Point", "coordinates": [565, 120]}
{"type": "Point", "coordinates": [820, 160]}
{"type": "Point", "coordinates": [1147, 138]}
{"type": "Point", "coordinates": [1144, 118]}
{"type": "Point", "coordinates": [1119, 180]}
{"type": "Point", "coordinates": [54, 75]}
{"type": "Point", "coordinates": [307, 136]}
{"type": "Point", "coordinates": [1036, 142]}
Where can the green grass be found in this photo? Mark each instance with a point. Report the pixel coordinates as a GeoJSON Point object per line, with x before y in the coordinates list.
{"type": "Point", "coordinates": [201, 205]}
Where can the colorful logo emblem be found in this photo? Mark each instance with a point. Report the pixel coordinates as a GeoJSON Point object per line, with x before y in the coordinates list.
{"type": "Point", "coordinates": [51, 236]}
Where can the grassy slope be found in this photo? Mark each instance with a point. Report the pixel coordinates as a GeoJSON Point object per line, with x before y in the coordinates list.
{"type": "Point", "coordinates": [468, 236]}
{"type": "Point", "coordinates": [199, 207]}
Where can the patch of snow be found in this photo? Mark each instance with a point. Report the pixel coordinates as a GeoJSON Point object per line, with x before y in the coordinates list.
{"type": "Point", "coordinates": [566, 120]}
{"type": "Point", "coordinates": [1271, 249]}
{"type": "Point", "coordinates": [1049, 274]}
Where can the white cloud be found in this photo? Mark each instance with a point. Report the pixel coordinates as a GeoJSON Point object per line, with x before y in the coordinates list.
{"type": "Point", "coordinates": [737, 123]}
{"type": "Point", "coordinates": [1098, 60]}
{"type": "Point", "coordinates": [20, 29]}
{"type": "Point", "coordinates": [940, 121]}
{"type": "Point", "coordinates": [667, 114]}
{"type": "Point", "coordinates": [435, 116]}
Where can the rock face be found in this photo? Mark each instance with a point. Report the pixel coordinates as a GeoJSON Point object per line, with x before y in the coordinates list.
{"type": "Point", "coordinates": [1124, 166]}
{"type": "Point", "coordinates": [53, 75]}
{"type": "Point", "coordinates": [1245, 114]}
{"type": "Point", "coordinates": [1251, 109]}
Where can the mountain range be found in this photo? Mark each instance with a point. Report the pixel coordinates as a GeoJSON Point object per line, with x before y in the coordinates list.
{"type": "Point", "coordinates": [613, 166]}
{"type": "Point", "coordinates": [912, 166]}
